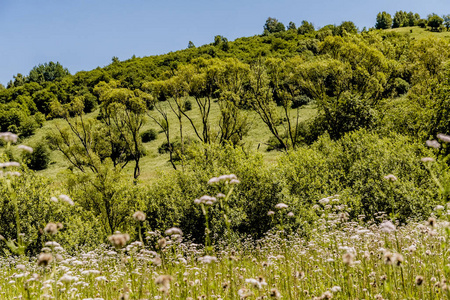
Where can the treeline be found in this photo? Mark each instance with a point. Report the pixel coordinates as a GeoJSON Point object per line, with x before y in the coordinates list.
{"type": "Point", "coordinates": [352, 77]}
{"type": "Point", "coordinates": [405, 19]}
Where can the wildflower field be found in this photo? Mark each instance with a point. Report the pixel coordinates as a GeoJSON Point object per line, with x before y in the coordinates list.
{"type": "Point", "coordinates": [340, 260]}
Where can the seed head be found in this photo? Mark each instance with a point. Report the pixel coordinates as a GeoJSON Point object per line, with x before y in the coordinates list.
{"type": "Point", "coordinates": [119, 240]}
{"type": "Point", "coordinates": [431, 222]}
{"type": "Point", "coordinates": [162, 243]}
{"type": "Point", "coordinates": [164, 282]}
{"type": "Point", "coordinates": [347, 258]}
{"type": "Point", "coordinates": [139, 216]}
{"type": "Point", "coordinates": [44, 259]}
{"type": "Point", "coordinates": [51, 228]}
{"type": "Point", "coordinates": [419, 280]}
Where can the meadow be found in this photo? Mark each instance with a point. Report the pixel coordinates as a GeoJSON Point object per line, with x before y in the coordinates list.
{"type": "Point", "coordinates": [295, 164]}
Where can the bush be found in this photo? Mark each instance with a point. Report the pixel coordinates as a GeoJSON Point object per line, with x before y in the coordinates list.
{"type": "Point", "coordinates": [39, 158]}
{"type": "Point", "coordinates": [149, 135]}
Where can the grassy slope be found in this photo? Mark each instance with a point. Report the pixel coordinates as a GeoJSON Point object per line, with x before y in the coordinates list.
{"type": "Point", "coordinates": [420, 33]}
{"type": "Point", "coordinates": [154, 162]}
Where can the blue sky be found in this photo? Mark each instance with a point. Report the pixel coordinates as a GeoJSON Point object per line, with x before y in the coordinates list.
{"type": "Point", "coordinates": [84, 34]}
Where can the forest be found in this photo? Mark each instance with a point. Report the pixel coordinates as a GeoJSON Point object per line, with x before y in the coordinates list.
{"type": "Point", "coordinates": [332, 125]}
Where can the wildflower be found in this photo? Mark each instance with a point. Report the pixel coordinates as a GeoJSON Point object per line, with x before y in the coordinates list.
{"type": "Point", "coordinates": [419, 280]}
{"type": "Point", "coordinates": [67, 278]}
{"type": "Point", "coordinates": [327, 295]}
{"type": "Point", "coordinates": [431, 222]}
{"type": "Point", "coordinates": [9, 164]}
{"type": "Point", "coordinates": [207, 259]}
{"type": "Point", "coordinates": [119, 240]}
{"type": "Point", "coordinates": [220, 195]}
{"type": "Point", "coordinates": [162, 243]}
{"type": "Point", "coordinates": [214, 180]}
{"type": "Point", "coordinates": [443, 137]}
{"type": "Point", "coordinates": [433, 144]}
{"type": "Point", "coordinates": [44, 259]}
{"type": "Point", "coordinates": [51, 228]}
{"type": "Point", "coordinates": [347, 258]}
{"type": "Point", "coordinates": [281, 206]}
{"type": "Point", "coordinates": [270, 213]}
{"type": "Point", "coordinates": [290, 214]}
{"type": "Point", "coordinates": [164, 282]}
{"type": "Point", "coordinates": [387, 226]}
{"type": "Point", "coordinates": [21, 267]}
{"type": "Point", "coordinates": [174, 230]}
{"type": "Point", "coordinates": [54, 199]}
{"type": "Point", "coordinates": [439, 207]}
{"type": "Point", "coordinates": [244, 293]}
{"type": "Point", "coordinates": [139, 216]}
{"type": "Point", "coordinates": [8, 137]}
{"type": "Point", "coordinates": [25, 148]}
{"type": "Point", "coordinates": [336, 289]}
{"type": "Point", "coordinates": [388, 258]}
{"type": "Point", "coordinates": [390, 177]}
{"type": "Point", "coordinates": [398, 259]}
{"type": "Point", "coordinates": [234, 181]}
{"type": "Point", "coordinates": [66, 199]}
{"type": "Point", "coordinates": [324, 201]}
{"type": "Point", "coordinates": [274, 293]}
{"type": "Point", "coordinates": [427, 159]}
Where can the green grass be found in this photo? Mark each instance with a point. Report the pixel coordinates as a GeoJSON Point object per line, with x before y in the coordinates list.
{"type": "Point", "coordinates": [420, 33]}
{"type": "Point", "coordinates": [153, 162]}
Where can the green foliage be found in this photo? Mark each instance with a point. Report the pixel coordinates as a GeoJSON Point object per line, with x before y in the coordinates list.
{"type": "Point", "coordinates": [435, 22]}
{"type": "Point", "coordinates": [272, 25]}
{"type": "Point", "coordinates": [305, 28]}
{"type": "Point", "coordinates": [149, 135]}
{"type": "Point", "coordinates": [36, 210]}
{"type": "Point", "coordinates": [39, 158]}
{"type": "Point", "coordinates": [47, 72]}
{"type": "Point", "coordinates": [355, 166]}
{"type": "Point", "coordinates": [384, 21]}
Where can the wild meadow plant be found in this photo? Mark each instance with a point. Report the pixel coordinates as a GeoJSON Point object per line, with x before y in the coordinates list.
{"type": "Point", "coordinates": [370, 257]}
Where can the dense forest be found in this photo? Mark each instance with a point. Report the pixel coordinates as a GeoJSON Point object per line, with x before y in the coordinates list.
{"type": "Point", "coordinates": [379, 96]}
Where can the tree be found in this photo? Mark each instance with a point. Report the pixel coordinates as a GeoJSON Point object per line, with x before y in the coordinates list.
{"type": "Point", "coordinates": [411, 19]}
{"type": "Point", "coordinates": [435, 22]}
{"type": "Point", "coordinates": [347, 26]}
{"type": "Point", "coordinates": [123, 111]}
{"type": "Point", "coordinates": [400, 19]}
{"type": "Point", "coordinates": [47, 72]}
{"type": "Point", "coordinates": [272, 25]}
{"type": "Point", "coordinates": [384, 21]}
{"type": "Point", "coordinates": [446, 21]}
{"type": "Point", "coordinates": [305, 28]}
{"type": "Point", "coordinates": [191, 45]}
{"type": "Point", "coordinates": [292, 26]}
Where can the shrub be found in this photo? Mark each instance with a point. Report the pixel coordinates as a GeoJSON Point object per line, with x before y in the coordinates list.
{"type": "Point", "coordinates": [39, 158]}
{"type": "Point", "coordinates": [149, 135]}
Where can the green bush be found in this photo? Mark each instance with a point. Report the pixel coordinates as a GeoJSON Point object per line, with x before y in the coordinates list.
{"type": "Point", "coordinates": [149, 135]}
{"type": "Point", "coordinates": [39, 158]}
{"type": "Point", "coordinates": [36, 210]}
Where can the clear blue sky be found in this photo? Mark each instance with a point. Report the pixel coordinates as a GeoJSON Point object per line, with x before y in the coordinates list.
{"type": "Point", "coordinates": [84, 34]}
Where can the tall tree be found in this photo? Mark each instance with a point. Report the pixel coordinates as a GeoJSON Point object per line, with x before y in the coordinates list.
{"type": "Point", "coordinates": [272, 25]}
{"type": "Point", "coordinates": [384, 20]}
{"type": "Point", "coordinates": [47, 72]}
